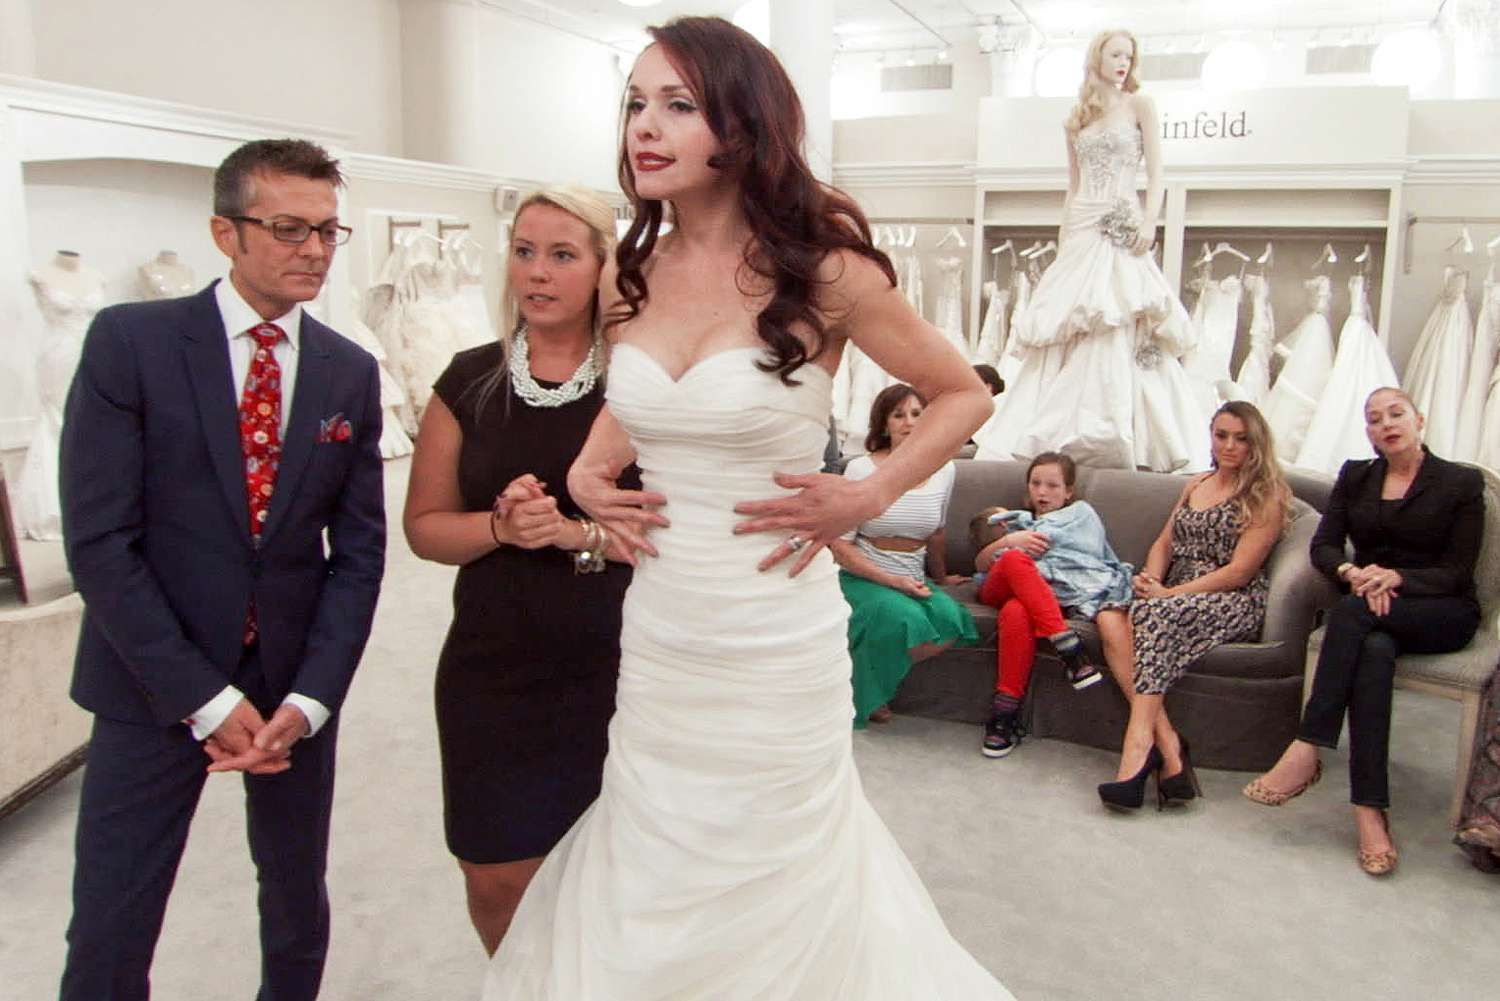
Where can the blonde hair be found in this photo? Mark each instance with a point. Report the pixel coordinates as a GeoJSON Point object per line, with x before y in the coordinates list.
{"type": "Point", "coordinates": [594, 212]}
{"type": "Point", "coordinates": [1092, 92]}
{"type": "Point", "coordinates": [1262, 484]}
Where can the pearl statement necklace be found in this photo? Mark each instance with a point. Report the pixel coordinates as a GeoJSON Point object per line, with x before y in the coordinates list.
{"type": "Point", "coordinates": [578, 386]}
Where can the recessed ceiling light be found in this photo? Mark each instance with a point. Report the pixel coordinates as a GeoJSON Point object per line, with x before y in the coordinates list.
{"type": "Point", "coordinates": [640, 3]}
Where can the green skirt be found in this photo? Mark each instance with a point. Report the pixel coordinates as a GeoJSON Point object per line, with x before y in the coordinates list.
{"type": "Point", "coordinates": [883, 625]}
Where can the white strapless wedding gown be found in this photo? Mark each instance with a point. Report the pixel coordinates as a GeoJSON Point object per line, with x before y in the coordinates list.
{"type": "Point", "coordinates": [1099, 376]}
{"type": "Point", "coordinates": [731, 854]}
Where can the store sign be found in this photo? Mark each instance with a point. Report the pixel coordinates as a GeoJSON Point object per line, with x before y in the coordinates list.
{"type": "Point", "coordinates": [1206, 125]}
{"type": "Point", "coordinates": [1288, 125]}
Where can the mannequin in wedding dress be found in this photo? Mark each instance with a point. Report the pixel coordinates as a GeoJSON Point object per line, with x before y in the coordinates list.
{"type": "Point", "coordinates": [68, 294]}
{"type": "Point", "coordinates": [165, 276]}
{"type": "Point", "coordinates": [1099, 377]}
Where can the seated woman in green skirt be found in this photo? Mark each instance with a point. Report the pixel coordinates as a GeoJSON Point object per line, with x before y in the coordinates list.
{"type": "Point", "coordinates": [897, 615]}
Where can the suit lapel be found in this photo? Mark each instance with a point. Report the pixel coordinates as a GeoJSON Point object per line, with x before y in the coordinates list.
{"type": "Point", "coordinates": [309, 395]}
{"type": "Point", "coordinates": [1426, 476]}
{"type": "Point", "coordinates": [206, 350]}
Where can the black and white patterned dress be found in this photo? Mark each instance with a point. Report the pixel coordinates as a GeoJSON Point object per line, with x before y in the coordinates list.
{"type": "Point", "coordinates": [1174, 631]}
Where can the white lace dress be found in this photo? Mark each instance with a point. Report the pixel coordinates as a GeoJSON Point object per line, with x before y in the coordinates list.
{"type": "Point", "coordinates": [949, 316]}
{"type": "Point", "coordinates": [38, 507]}
{"type": "Point", "coordinates": [731, 854]}
{"type": "Point", "coordinates": [992, 333]}
{"type": "Point", "coordinates": [1254, 378]}
{"type": "Point", "coordinates": [1099, 376]}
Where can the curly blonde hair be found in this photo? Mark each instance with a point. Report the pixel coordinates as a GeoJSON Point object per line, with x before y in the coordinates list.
{"type": "Point", "coordinates": [1262, 484]}
{"type": "Point", "coordinates": [1092, 93]}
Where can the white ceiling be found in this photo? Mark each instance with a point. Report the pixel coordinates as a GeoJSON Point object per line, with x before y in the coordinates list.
{"type": "Point", "coordinates": [880, 24]}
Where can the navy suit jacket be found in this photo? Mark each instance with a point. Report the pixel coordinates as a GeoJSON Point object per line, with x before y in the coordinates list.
{"type": "Point", "coordinates": [156, 525]}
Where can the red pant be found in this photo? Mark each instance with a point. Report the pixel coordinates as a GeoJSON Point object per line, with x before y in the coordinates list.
{"type": "Point", "coordinates": [1028, 609]}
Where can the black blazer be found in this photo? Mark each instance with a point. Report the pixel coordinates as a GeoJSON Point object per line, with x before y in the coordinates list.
{"type": "Point", "coordinates": [1431, 536]}
{"type": "Point", "coordinates": [156, 528]}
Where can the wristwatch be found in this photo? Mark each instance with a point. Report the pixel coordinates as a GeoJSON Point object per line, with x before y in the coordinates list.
{"type": "Point", "coordinates": [1343, 569]}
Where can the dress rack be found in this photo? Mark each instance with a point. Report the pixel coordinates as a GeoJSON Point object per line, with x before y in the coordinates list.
{"type": "Point", "coordinates": [1452, 220]}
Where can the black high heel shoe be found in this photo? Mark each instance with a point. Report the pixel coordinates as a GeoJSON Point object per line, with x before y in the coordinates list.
{"type": "Point", "coordinates": [1129, 794]}
{"type": "Point", "coordinates": [1175, 790]}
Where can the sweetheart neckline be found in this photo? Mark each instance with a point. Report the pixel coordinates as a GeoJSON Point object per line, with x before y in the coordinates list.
{"type": "Point", "coordinates": [708, 358]}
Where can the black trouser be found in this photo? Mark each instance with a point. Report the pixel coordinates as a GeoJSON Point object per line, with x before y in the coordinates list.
{"type": "Point", "coordinates": [140, 789]}
{"type": "Point", "coordinates": [1357, 671]}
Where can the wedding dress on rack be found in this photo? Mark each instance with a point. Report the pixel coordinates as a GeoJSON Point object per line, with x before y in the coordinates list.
{"type": "Point", "coordinates": [1254, 378]}
{"type": "Point", "coordinates": [992, 333]}
{"type": "Point", "coordinates": [1361, 366]}
{"type": "Point", "coordinates": [1021, 284]}
{"type": "Point", "coordinates": [1216, 314]}
{"type": "Point", "coordinates": [1439, 367]}
{"type": "Point", "coordinates": [417, 313]}
{"type": "Point", "coordinates": [466, 257]}
{"type": "Point", "coordinates": [1483, 362]}
{"type": "Point", "coordinates": [949, 317]}
{"type": "Point", "coordinates": [1308, 351]}
{"type": "Point", "coordinates": [1099, 376]}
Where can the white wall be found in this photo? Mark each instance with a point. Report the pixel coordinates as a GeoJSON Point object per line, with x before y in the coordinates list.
{"type": "Point", "coordinates": [330, 63]}
{"type": "Point", "coordinates": [857, 93]}
{"type": "Point", "coordinates": [505, 95]}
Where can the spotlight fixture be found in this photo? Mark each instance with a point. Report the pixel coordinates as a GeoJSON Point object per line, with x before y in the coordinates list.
{"type": "Point", "coordinates": [942, 55]}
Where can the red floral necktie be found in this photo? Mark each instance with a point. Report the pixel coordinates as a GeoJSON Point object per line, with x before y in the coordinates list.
{"type": "Point", "coordinates": [260, 435]}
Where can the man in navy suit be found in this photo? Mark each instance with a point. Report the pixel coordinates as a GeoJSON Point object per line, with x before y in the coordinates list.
{"type": "Point", "coordinates": [210, 444]}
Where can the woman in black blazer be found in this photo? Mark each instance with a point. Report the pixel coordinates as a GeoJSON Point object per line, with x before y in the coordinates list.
{"type": "Point", "coordinates": [1415, 522]}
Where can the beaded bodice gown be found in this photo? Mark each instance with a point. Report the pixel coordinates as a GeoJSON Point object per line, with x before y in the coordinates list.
{"type": "Point", "coordinates": [1099, 375]}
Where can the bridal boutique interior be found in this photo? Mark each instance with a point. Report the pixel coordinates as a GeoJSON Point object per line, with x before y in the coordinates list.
{"type": "Point", "coordinates": [1332, 217]}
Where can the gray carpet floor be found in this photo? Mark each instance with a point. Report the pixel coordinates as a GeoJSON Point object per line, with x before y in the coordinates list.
{"type": "Point", "coordinates": [1062, 900]}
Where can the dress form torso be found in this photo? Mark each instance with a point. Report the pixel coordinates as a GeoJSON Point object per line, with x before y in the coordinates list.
{"type": "Point", "coordinates": [166, 277]}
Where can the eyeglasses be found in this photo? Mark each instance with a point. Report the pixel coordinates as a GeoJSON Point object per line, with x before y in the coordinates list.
{"type": "Point", "coordinates": [290, 229]}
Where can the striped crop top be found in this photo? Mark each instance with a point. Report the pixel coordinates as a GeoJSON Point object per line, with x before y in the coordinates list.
{"type": "Point", "coordinates": [916, 514]}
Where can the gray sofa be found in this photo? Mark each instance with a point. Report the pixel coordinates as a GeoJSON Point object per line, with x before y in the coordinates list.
{"type": "Point", "coordinates": [1238, 705]}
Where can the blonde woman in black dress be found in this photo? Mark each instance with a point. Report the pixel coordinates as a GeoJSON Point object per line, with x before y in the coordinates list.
{"type": "Point", "coordinates": [526, 680]}
{"type": "Point", "coordinates": [1204, 583]}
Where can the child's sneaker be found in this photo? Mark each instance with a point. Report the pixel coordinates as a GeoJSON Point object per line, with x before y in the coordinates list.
{"type": "Point", "coordinates": [1002, 734]}
{"type": "Point", "coordinates": [1079, 670]}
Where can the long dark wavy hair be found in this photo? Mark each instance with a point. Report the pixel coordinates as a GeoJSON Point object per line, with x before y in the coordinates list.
{"type": "Point", "coordinates": [795, 220]}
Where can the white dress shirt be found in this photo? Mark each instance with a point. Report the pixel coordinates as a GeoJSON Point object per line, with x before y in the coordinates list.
{"type": "Point", "coordinates": [239, 318]}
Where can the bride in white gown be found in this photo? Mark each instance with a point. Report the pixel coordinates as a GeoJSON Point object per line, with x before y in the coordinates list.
{"type": "Point", "coordinates": [1100, 377]}
{"type": "Point", "coordinates": [731, 854]}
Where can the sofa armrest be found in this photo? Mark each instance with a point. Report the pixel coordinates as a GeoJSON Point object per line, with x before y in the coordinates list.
{"type": "Point", "coordinates": [1298, 591]}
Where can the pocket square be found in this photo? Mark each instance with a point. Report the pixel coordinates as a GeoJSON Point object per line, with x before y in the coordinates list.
{"type": "Point", "coordinates": [335, 428]}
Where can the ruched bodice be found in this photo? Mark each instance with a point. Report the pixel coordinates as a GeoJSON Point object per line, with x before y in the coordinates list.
{"type": "Point", "coordinates": [1107, 161]}
{"type": "Point", "coordinates": [731, 853]}
{"type": "Point", "coordinates": [1319, 294]}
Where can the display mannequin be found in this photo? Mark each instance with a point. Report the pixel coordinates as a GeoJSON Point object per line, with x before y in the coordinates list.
{"type": "Point", "coordinates": [68, 294]}
{"type": "Point", "coordinates": [166, 277]}
{"type": "Point", "coordinates": [1099, 377]}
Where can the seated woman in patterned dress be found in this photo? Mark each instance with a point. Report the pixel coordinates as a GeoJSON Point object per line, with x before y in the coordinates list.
{"type": "Point", "coordinates": [897, 616]}
{"type": "Point", "coordinates": [1204, 583]}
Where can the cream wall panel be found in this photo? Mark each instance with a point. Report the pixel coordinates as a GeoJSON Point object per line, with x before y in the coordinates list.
{"type": "Point", "coordinates": [334, 63]}
{"type": "Point", "coordinates": [906, 139]}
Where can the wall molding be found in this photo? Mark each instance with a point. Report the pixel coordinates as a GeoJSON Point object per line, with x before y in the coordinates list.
{"type": "Point", "coordinates": [369, 167]}
{"type": "Point", "coordinates": [108, 108]}
{"type": "Point", "coordinates": [1428, 169]}
{"type": "Point", "coordinates": [905, 174]}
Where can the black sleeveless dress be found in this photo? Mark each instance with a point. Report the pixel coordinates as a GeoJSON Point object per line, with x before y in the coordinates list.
{"type": "Point", "coordinates": [526, 680]}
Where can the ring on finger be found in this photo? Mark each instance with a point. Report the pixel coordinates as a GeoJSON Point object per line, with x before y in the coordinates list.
{"type": "Point", "coordinates": [795, 542]}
